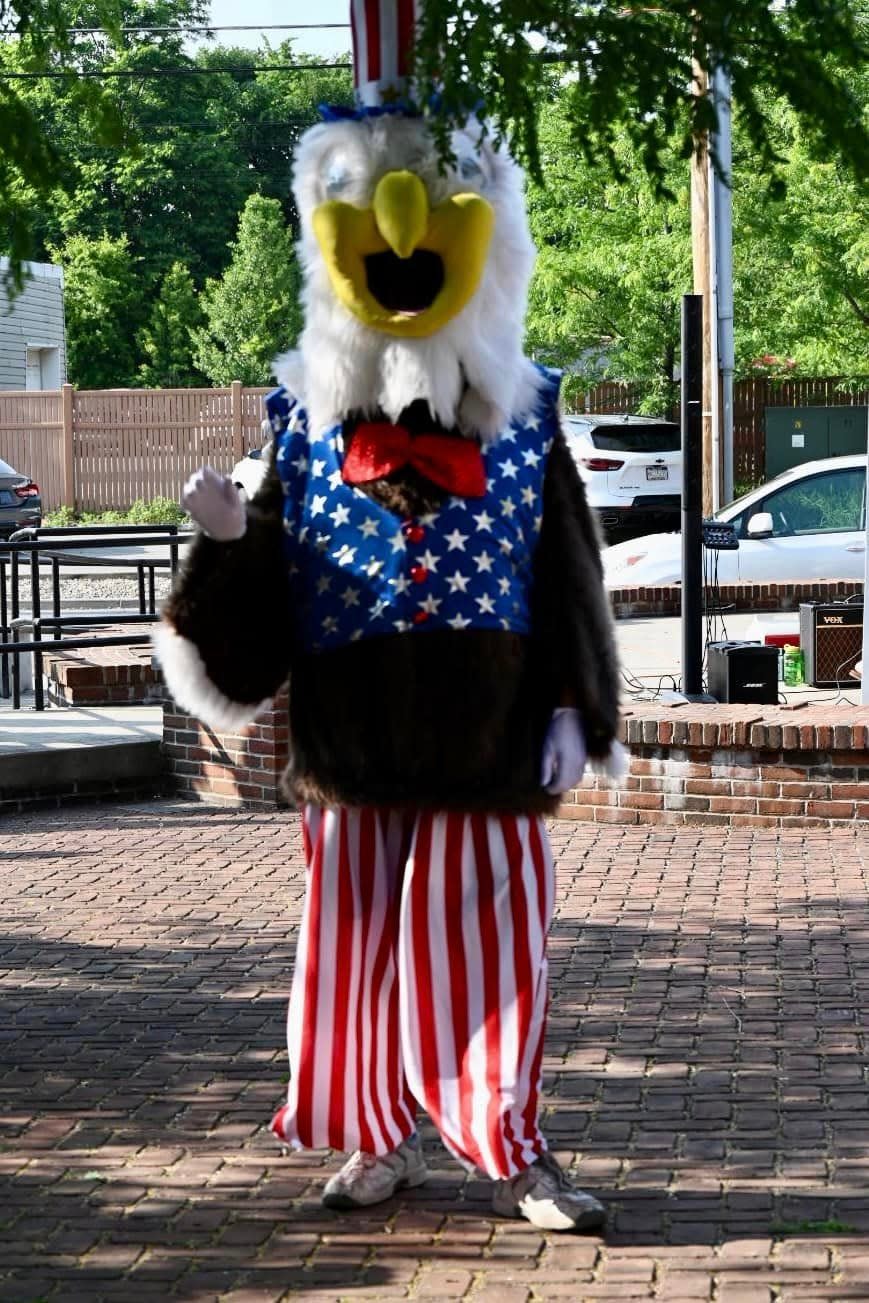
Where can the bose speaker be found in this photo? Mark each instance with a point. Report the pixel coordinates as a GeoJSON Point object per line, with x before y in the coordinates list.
{"type": "Point", "coordinates": [743, 671]}
{"type": "Point", "coordinates": [831, 639]}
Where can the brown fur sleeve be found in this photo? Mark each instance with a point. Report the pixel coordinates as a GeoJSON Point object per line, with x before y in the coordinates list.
{"type": "Point", "coordinates": [232, 603]}
{"type": "Point", "coordinates": [573, 628]}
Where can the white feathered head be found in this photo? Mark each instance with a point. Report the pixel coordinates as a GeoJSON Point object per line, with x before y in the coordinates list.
{"type": "Point", "coordinates": [415, 275]}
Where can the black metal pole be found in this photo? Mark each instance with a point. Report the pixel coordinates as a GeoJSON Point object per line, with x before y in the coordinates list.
{"type": "Point", "coordinates": [692, 494]}
{"type": "Point", "coordinates": [4, 632]}
{"type": "Point", "coordinates": [35, 613]}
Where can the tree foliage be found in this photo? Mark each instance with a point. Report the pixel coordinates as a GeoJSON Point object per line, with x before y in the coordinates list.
{"type": "Point", "coordinates": [253, 312]}
{"type": "Point", "coordinates": [143, 176]}
{"type": "Point", "coordinates": [801, 262]}
{"type": "Point", "coordinates": [102, 292]}
{"type": "Point", "coordinates": [192, 136]}
{"type": "Point", "coordinates": [165, 148]}
{"type": "Point", "coordinates": [613, 262]}
{"type": "Point", "coordinates": [35, 38]}
{"type": "Point", "coordinates": [166, 340]}
{"type": "Point", "coordinates": [631, 70]}
{"type": "Point", "coordinates": [615, 258]}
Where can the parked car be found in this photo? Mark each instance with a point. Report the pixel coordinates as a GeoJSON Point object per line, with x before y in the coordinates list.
{"type": "Point", "coordinates": [20, 503]}
{"type": "Point", "coordinates": [807, 523]}
{"type": "Point", "coordinates": [631, 466]}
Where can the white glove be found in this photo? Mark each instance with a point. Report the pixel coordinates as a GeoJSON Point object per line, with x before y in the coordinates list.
{"type": "Point", "coordinates": [564, 752]}
{"type": "Point", "coordinates": [214, 503]}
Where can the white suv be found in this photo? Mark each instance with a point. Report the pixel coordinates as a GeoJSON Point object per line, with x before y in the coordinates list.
{"type": "Point", "coordinates": [631, 466]}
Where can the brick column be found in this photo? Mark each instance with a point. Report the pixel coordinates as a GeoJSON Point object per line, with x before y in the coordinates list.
{"type": "Point", "coordinates": [240, 769]}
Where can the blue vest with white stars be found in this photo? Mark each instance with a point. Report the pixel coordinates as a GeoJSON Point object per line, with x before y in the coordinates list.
{"type": "Point", "coordinates": [357, 570]}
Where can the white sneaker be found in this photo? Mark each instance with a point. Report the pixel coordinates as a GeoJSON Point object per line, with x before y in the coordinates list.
{"type": "Point", "coordinates": [365, 1179]}
{"type": "Point", "coordinates": [544, 1196]}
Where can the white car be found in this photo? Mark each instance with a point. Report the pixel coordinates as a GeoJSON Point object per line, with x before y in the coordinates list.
{"type": "Point", "coordinates": [807, 523]}
{"type": "Point", "coordinates": [631, 467]}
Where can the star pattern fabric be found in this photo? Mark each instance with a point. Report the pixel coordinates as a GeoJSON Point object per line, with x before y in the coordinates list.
{"type": "Point", "coordinates": [358, 570]}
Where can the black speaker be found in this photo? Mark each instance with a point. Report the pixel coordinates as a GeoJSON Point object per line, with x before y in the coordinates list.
{"type": "Point", "coordinates": [831, 639]}
{"type": "Point", "coordinates": [743, 671]}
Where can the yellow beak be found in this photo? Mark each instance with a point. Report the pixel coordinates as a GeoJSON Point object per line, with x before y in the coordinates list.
{"type": "Point", "coordinates": [401, 211]}
{"type": "Point", "coordinates": [458, 231]}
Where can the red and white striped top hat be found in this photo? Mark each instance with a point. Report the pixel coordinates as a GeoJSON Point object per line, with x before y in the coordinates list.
{"type": "Point", "coordinates": [383, 33]}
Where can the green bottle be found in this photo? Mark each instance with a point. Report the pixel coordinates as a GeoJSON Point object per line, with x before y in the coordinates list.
{"type": "Point", "coordinates": [793, 672]}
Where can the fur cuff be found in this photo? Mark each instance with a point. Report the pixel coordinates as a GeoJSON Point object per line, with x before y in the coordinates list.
{"type": "Point", "coordinates": [190, 687]}
{"type": "Point", "coordinates": [613, 766]}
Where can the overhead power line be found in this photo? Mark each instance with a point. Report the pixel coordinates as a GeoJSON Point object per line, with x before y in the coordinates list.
{"type": "Point", "coordinates": [174, 72]}
{"type": "Point", "coordinates": [214, 27]}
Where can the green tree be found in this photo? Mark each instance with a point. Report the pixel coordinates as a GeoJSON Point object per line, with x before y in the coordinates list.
{"type": "Point", "coordinates": [166, 341]}
{"type": "Point", "coordinates": [613, 262]}
{"type": "Point", "coordinates": [166, 149]}
{"type": "Point", "coordinates": [632, 69]}
{"type": "Point", "coordinates": [197, 136]}
{"type": "Point", "coordinates": [801, 263]}
{"type": "Point", "coordinates": [253, 312]}
{"type": "Point", "coordinates": [102, 294]}
{"type": "Point", "coordinates": [35, 38]}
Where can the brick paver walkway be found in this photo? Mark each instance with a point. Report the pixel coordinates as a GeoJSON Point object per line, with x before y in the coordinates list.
{"type": "Point", "coordinates": [706, 1071]}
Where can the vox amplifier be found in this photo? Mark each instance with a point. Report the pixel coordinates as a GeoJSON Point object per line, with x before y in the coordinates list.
{"type": "Point", "coordinates": [743, 671]}
{"type": "Point", "coordinates": [831, 638]}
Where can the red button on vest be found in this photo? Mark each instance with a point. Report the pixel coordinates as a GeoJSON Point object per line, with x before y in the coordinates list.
{"type": "Point", "coordinates": [414, 533]}
{"type": "Point", "coordinates": [420, 617]}
{"type": "Point", "coordinates": [418, 574]}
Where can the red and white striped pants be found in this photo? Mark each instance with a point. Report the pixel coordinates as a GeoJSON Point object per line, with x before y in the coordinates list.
{"type": "Point", "coordinates": [420, 977]}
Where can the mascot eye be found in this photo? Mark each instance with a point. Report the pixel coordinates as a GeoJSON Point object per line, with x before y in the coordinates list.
{"type": "Point", "coordinates": [470, 170]}
{"type": "Point", "coordinates": [338, 179]}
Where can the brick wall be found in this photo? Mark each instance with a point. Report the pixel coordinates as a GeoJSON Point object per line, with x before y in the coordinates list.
{"type": "Point", "coordinates": [773, 767]}
{"type": "Point", "coordinates": [667, 599]}
{"type": "Point", "coordinates": [104, 676]}
{"type": "Point", "coordinates": [770, 767]}
{"type": "Point", "coordinates": [242, 768]}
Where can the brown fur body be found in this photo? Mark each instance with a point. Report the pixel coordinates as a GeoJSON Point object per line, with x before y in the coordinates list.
{"type": "Point", "coordinates": [440, 719]}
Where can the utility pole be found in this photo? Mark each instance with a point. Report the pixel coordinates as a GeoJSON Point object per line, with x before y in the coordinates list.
{"type": "Point", "coordinates": [702, 279]}
{"type": "Point", "coordinates": [711, 241]}
{"type": "Point", "coordinates": [722, 235]}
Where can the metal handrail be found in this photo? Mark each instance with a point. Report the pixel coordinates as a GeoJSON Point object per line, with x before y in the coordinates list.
{"type": "Point", "coordinates": [34, 541]}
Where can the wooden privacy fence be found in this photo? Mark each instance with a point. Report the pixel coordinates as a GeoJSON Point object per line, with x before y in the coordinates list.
{"type": "Point", "coordinates": [101, 449]}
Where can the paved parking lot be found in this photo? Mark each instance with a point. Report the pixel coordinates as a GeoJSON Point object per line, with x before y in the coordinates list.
{"type": "Point", "coordinates": [706, 1072]}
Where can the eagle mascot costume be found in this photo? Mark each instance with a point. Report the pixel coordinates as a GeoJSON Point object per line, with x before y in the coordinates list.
{"type": "Point", "coordinates": [421, 567]}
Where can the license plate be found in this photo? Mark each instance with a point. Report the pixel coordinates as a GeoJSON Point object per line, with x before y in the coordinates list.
{"type": "Point", "coordinates": [7, 499]}
{"type": "Point", "coordinates": [657, 473]}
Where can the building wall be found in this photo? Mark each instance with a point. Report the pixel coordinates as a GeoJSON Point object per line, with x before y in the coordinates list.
{"type": "Point", "coordinates": [36, 322]}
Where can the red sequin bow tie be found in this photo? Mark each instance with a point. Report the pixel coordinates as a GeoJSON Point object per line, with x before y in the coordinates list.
{"type": "Point", "coordinates": [378, 448]}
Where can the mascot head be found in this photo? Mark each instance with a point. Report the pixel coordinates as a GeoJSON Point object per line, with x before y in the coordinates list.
{"type": "Point", "coordinates": [415, 272]}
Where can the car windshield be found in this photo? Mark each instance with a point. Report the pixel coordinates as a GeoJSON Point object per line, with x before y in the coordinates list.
{"type": "Point", "coordinates": [825, 501]}
{"type": "Point", "coordinates": [659, 437]}
{"type": "Point", "coordinates": [6, 469]}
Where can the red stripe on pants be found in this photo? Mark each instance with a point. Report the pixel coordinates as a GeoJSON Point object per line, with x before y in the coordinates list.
{"type": "Point", "coordinates": [372, 24]}
{"type": "Point", "coordinates": [421, 975]}
{"type": "Point", "coordinates": [406, 18]}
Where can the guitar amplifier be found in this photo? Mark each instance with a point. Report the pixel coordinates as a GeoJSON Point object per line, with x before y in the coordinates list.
{"type": "Point", "coordinates": [831, 638]}
{"type": "Point", "coordinates": [742, 671]}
